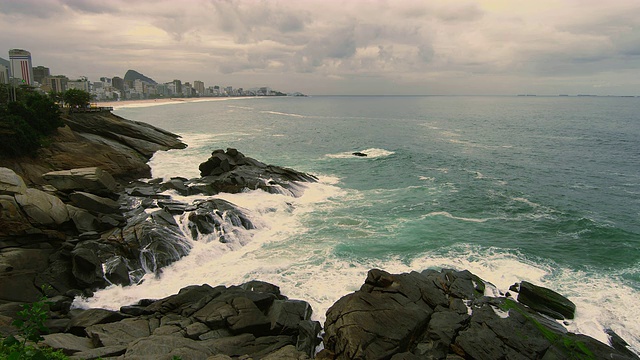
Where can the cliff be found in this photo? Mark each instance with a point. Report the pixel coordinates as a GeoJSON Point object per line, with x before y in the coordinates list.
{"type": "Point", "coordinates": [119, 146]}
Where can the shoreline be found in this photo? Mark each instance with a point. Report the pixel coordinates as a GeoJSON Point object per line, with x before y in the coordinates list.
{"type": "Point", "coordinates": [167, 101]}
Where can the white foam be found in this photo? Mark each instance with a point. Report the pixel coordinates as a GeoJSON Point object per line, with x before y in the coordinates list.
{"type": "Point", "coordinates": [371, 153]}
{"type": "Point", "coordinates": [180, 162]}
{"type": "Point", "coordinates": [284, 114]}
{"type": "Point", "coordinates": [446, 214]}
{"type": "Point", "coordinates": [526, 201]}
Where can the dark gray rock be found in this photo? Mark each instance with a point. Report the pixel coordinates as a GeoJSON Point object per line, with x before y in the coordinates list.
{"type": "Point", "coordinates": [188, 301]}
{"type": "Point", "coordinates": [286, 315]}
{"type": "Point", "coordinates": [379, 320]}
{"type": "Point", "coordinates": [546, 301]}
{"type": "Point", "coordinates": [177, 184]}
{"type": "Point", "coordinates": [83, 219]}
{"type": "Point", "coordinates": [458, 323]}
{"type": "Point", "coordinates": [91, 317]}
{"type": "Point", "coordinates": [87, 268]}
{"type": "Point", "coordinates": [215, 314]}
{"type": "Point", "coordinates": [118, 333]}
{"type": "Point", "coordinates": [233, 172]}
{"type": "Point", "coordinates": [94, 203]}
{"type": "Point", "coordinates": [217, 216]}
{"type": "Point", "coordinates": [247, 318]}
{"type": "Point", "coordinates": [308, 340]}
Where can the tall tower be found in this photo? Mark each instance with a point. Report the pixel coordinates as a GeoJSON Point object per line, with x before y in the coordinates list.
{"type": "Point", "coordinates": [21, 66]}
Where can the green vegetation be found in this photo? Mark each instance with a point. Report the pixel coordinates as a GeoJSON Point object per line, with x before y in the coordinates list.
{"type": "Point", "coordinates": [574, 349]}
{"type": "Point", "coordinates": [26, 122]}
{"type": "Point", "coordinates": [76, 98]}
{"type": "Point", "coordinates": [30, 324]}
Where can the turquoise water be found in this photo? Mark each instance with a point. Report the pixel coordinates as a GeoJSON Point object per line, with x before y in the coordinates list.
{"type": "Point", "coordinates": [545, 189]}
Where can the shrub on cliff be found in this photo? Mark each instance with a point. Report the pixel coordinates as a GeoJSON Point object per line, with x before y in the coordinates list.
{"type": "Point", "coordinates": [26, 122]}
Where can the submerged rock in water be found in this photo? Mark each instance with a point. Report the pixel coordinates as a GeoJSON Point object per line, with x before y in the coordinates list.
{"type": "Point", "coordinates": [445, 315]}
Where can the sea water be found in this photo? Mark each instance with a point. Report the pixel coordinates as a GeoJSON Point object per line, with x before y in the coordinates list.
{"type": "Point", "coordinates": [543, 189]}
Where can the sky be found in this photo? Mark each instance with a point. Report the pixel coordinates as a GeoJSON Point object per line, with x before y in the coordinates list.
{"type": "Point", "coordinates": [347, 47]}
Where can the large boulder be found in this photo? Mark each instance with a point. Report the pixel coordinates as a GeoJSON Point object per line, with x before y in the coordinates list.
{"type": "Point", "coordinates": [445, 315]}
{"type": "Point", "coordinates": [91, 179]}
{"type": "Point", "coordinates": [13, 221]}
{"type": "Point", "coordinates": [11, 183]}
{"type": "Point", "coordinates": [18, 271]}
{"type": "Point", "coordinates": [83, 219]}
{"type": "Point", "coordinates": [42, 208]}
{"type": "Point", "coordinates": [546, 301]}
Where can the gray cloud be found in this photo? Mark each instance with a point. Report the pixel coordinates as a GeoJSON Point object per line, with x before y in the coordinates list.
{"type": "Point", "coordinates": [409, 45]}
{"type": "Point", "coordinates": [31, 8]}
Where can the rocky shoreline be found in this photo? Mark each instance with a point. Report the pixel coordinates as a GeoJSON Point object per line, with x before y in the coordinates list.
{"type": "Point", "coordinates": [76, 218]}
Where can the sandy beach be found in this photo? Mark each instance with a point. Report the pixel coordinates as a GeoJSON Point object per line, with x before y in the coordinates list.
{"type": "Point", "coordinates": [169, 101]}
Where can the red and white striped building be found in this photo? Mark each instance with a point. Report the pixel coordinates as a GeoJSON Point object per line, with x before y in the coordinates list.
{"type": "Point", "coordinates": [21, 68]}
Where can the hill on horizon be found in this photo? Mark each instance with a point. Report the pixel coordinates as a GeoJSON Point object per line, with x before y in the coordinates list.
{"type": "Point", "coordinates": [134, 75]}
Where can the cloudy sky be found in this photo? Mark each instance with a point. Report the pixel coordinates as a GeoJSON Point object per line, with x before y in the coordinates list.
{"type": "Point", "coordinates": [340, 47]}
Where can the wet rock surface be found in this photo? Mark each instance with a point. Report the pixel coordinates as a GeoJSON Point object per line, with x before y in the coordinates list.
{"type": "Point", "coordinates": [445, 315]}
{"type": "Point", "coordinates": [231, 171]}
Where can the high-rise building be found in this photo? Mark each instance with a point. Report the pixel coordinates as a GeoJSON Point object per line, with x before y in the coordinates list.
{"type": "Point", "coordinates": [56, 84]}
{"type": "Point", "coordinates": [39, 73]}
{"type": "Point", "coordinates": [4, 71]}
{"type": "Point", "coordinates": [118, 83]}
{"type": "Point", "coordinates": [178, 85]}
{"type": "Point", "coordinates": [21, 69]}
{"type": "Point", "coordinates": [80, 84]}
{"type": "Point", "coordinates": [199, 86]}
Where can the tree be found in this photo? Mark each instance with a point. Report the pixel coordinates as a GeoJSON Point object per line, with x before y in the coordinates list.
{"type": "Point", "coordinates": [25, 123]}
{"type": "Point", "coordinates": [76, 98]}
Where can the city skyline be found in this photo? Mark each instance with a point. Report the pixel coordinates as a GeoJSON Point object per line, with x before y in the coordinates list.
{"type": "Point", "coordinates": [478, 47]}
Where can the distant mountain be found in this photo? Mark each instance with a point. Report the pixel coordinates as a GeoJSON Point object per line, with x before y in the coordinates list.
{"type": "Point", "coordinates": [134, 75]}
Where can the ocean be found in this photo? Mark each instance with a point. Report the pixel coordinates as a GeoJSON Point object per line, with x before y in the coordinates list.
{"type": "Point", "coordinates": [543, 189]}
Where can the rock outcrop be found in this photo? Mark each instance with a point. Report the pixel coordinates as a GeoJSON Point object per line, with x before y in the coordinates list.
{"type": "Point", "coordinates": [93, 232]}
{"type": "Point", "coordinates": [232, 172]}
{"type": "Point", "coordinates": [118, 146]}
{"type": "Point", "coordinates": [445, 315]}
{"type": "Point", "coordinates": [252, 320]}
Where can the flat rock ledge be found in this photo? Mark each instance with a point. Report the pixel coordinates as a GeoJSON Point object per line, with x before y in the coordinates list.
{"type": "Point", "coordinates": [446, 315]}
